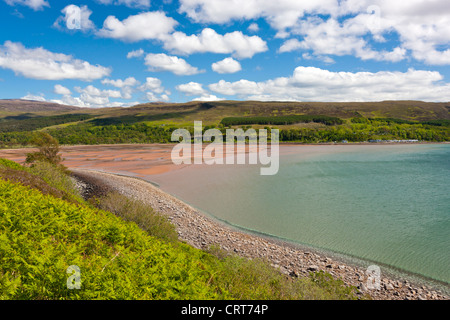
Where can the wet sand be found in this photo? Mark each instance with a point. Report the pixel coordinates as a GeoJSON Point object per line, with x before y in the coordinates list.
{"type": "Point", "coordinates": [135, 160]}
{"type": "Point", "coordinates": [147, 160]}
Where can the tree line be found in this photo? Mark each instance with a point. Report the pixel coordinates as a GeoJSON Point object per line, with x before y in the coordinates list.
{"type": "Point", "coordinates": [355, 130]}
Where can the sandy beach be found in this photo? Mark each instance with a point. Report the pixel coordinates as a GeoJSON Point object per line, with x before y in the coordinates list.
{"type": "Point", "coordinates": [128, 168]}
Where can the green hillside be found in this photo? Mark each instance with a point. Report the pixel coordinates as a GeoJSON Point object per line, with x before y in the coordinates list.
{"type": "Point", "coordinates": [312, 122]}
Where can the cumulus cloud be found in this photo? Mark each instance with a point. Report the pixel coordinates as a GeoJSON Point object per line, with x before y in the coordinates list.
{"type": "Point", "coordinates": [280, 14]}
{"type": "Point", "coordinates": [227, 65]}
{"type": "Point", "coordinates": [95, 92]}
{"type": "Point", "coordinates": [420, 28]}
{"type": "Point", "coordinates": [59, 89]}
{"type": "Point", "coordinates": [93, 97]}
{"type": "Point", "coordinates": [152, 97]}
{"type": "Point", "coordinates": [42, 64]}
{"type": "Point", "coordinates": [208, 97]}
{"type": "Point", "coordinates": [253, 27]}
{"type": "Point", "coordinates": [314, 84]}
{"type": "Point", "coordinates": [235, 43]}
{"type": "Point", "coordinates": [144, 26]}
{"type": "Point", "coordinates": [157, 26]}
{"type": "Point", "coordinates": [34, 97]}
{"type": "Point", "coordinates": [126, 86]}
{"type": "Point", "coordinates": [119, 83]}
{"type": "Point", "coordinates": [33, 4]}
{"type": "Point", "coordinates": [142, 4]}
{"type": "Point", "coordinates": [196, 89]}
{"type": "Point", "coordinates": [135, 54]}
{"type": "Point", "coordinates": [90, 97]}
{"type": "Point", "coordinates": [153, 85]}
{"type": "Point", "coordinates": [330, 37]}
{"type": "Point", "coordinates": [191, 89]}
{"type": "Point", "coordinates": [164, 62]}
{"type": "Point", "coordinates": [154, 90]}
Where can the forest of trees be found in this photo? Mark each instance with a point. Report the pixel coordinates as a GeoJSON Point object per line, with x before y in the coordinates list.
{"type": "Point", "coordinates": [281, 120]}
{"type": "Point", "coordinates": [355, 130]}
{"type": "Point", "coordinates": [30, 123]}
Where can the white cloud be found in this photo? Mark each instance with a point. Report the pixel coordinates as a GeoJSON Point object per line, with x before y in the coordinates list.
{"type": "Point", "coordinates": [144, 26]}
{"type": "Point", "coordinates": [196, 89]}
{"type": "Point", "coordinates": [163, 62]}
{"type": "Point", "coordinates": [419, 28]}
{"type": "Point", "coordinates": [290, 45]}
{"type": "Point", "coordinates": [154, 91]}
{"type": "Point", "coordinates": [126, 86]}
{"type": "Point", "coordinates": [280, 14]}
{"type": "Point", "coordinates": [241, 88]}
{"type": "Point", "coordinates": [92, 103]}
{"type": "Point", "coordinates": [152, 97]}
{"type": "Point", "coordinates": [71, 101]}
{"type": "Point", "coordinates": [75, 18]}
{"type": "Point", "coordinates": [157, 26]}
{"type": "Point", "coordinates": [59, 89]}
{"type": "Point", "coordinates": [142, 4]}
{"type": "Point", "coordinates": [119, 83]}
{"type": "Point", "coordinates": [314, 84]}
{"type": "Point", "coordinates": [34, 97]}
{"type": "Point", "coordinates": [253, 27]}
{"type": "Point", "coordinates": [33, 4]}
{"type": "Point", "coordinates": [91, 97]}
{"type": "Point", "coordinates": [152, 84]}
{"type": "Point", "coordinates": [42, 64]}
{"type": "Point", "coordinates": [227, 65]}
{"type": "Point", "coordinates": [330, 37]}
{"type": "Point", "coordinates": [209, 97]}
{"type": "Point", "coordinates": [95, 92]}
{"type": "Point", "coordinates": [135, 54]}
{"type": "Point", "coordinates": [191, 89]}
{"type": "Point", "coordinates": [235, 43]}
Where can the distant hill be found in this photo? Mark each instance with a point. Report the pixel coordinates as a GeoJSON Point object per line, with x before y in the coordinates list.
{"type": "Point", "coordinates": [214, 111]}
{"type": "Point", "coordinates": [31, 106]}
{"type": "Point", "coordinates": [306, 122]}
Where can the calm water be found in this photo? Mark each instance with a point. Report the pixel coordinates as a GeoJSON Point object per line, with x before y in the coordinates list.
{"type": "Point", "coordinates": [385, 204]}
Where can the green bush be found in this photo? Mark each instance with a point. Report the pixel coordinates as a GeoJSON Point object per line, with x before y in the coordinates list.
{"type": "Point", "coordinates": [257, 279]}
{"type": "Point", "coordinates": [144, 216]}
{"type": "Point", "coordinates": [41, 178]}
{"type": "Point", "coordinates": [48, 149]}
{"type": "Point", "coordinates": [5, 163]}
{"type": "Point", "coordinates": [56, 177]}
{"type": "Point", "coordinates": [41, 236]}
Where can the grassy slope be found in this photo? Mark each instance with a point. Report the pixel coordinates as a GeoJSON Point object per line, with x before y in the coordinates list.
{"type": "Point", "coordinates": [41, 235]}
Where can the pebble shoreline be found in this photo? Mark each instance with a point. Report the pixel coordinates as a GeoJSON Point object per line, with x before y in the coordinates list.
{"type": "Point", "coordinates": [201, 231]}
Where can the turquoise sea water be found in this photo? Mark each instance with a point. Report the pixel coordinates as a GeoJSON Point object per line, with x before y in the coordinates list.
{"type": "Point", "coordinates": [385, 204]}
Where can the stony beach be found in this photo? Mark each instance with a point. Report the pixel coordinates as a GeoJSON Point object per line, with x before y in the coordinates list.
{"type": "Point", "coordinates": [202, 231]}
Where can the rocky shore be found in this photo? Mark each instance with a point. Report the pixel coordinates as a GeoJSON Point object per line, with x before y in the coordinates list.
{"type": "Point", "coordinates": [203, 232]}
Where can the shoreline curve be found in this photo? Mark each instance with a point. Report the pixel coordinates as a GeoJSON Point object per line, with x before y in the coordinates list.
{"type": "Point", "coordinates": [202, 230]}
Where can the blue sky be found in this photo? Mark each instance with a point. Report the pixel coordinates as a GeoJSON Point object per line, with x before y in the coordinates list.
{"type": "Point", "coordinates": [123, 52]}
